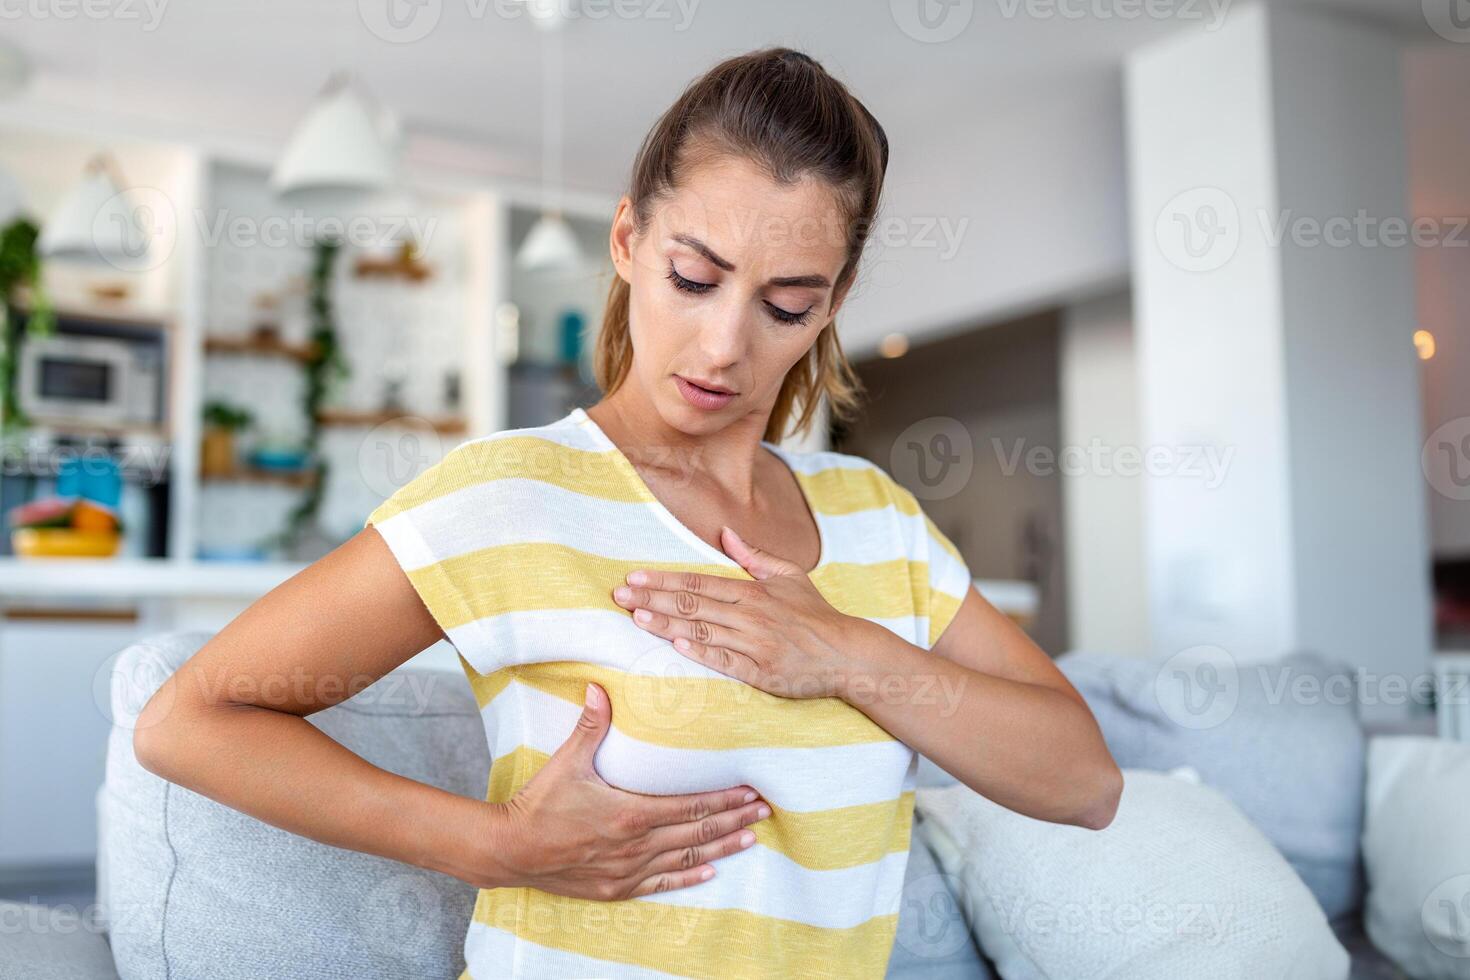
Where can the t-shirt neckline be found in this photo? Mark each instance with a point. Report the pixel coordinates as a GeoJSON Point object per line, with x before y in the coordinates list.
{"type": "Point", "coordinates": [683, 531]}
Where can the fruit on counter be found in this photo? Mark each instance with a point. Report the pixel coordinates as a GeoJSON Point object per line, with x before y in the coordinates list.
{"type": "Point", "coordinates": [46, 512]}
{"type": "Point", "coordinates": [88, 515]}
{"type": "Point", "coordinates": [63, 542]}
{"type": "Point", "coordinates": [78, 513]}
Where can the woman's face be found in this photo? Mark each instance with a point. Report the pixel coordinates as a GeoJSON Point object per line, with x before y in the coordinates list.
{"type": "Point", "coordinates": [730, 284]}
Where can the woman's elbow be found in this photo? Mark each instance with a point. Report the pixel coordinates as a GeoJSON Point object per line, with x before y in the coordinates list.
{"type": "Point", "coordinates": [156, 738]}
{"type": "Point", "coordinates": [1102, 803]}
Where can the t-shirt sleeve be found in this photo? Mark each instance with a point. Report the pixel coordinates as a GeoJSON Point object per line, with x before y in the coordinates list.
{"type": "Point", "coordinates": [425, 538]}
{"type": "Point", "coordinates": [942, 578]}
{"type": "Point", "coordinates": [949, 579]}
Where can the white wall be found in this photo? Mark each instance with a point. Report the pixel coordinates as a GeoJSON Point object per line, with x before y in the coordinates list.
{"type": "Point", "coordinates": [1032, 202]}
{"type": "Point", "coordinates": [1103, 502]}
{"type": "Point", "coordinates": [1294, 356]}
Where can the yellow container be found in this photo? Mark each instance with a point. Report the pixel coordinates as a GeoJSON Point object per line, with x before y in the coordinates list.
{"type": "Point", "coordinates": [63, 542]}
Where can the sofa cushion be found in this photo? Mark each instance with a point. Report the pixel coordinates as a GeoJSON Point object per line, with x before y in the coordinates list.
{"type": "Point", "coordinates": [40, 943]}
{"type": "Point", "coordinates": [1417, 853]}
{"type": "Point", "coordinates": [1281, 739]}
{"type": "Point", "coordinates": [934, 940]}
{"type": "Point", "coordinates": [196, 889]}
{"type": "Point", "coordinates": [1180, 885]}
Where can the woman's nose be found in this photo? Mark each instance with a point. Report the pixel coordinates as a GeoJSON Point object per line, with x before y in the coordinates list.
{"type": "Point", "coordinates": [724, 336]}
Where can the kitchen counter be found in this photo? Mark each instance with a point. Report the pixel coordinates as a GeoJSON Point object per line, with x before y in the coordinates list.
{"type": "Point", "coordinates": [138, 578]}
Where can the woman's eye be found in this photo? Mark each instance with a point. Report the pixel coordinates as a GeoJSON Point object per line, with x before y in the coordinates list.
{"type": "Point", "coordinates": [786, 316]}
{"type": "Point", "coordinates": [688, 285]}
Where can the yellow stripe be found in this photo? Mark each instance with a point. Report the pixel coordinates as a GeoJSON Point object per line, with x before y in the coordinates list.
{"type": "Point", "coordinates": [596, 474]}
{"type": "Point", "coordinates": [941, 614]}
{"type": "Point", "coordinates": [540, 575]}
{"type": "Point", "coordinates": [822, 840]}
{"type": "Point", "coordinates": [839, 490]}
{"type": "Point", "coordinates": [720, 944]}
{"type": "Point", "coordinates": [696, 712]}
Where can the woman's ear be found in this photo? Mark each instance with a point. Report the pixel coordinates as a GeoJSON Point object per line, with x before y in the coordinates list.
{"type": "Point", "coordinates": [620, 239]}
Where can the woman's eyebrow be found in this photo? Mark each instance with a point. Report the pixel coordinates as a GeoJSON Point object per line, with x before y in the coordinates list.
{"type": "Point", "coordinates": [813, 281]}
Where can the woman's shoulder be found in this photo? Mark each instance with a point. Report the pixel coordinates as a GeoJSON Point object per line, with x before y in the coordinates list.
{"type": "Point", "coordinates": [848, 482]}
{"type": "Point", "coordinates": [478, 467]}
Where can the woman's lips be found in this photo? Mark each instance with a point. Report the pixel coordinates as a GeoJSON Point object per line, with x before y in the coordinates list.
{"type": "Point", "coordinates": [702, 397]}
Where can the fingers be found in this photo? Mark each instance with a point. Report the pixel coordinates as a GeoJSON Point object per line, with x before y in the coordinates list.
{"type": "Point", "coordinates": [652, 812]}
{"type": "Point", "coordinates": [716, 587]}
{"type": "Point", "coordinates": [698, 630]}
{"type": "Point", "coordinates": [681, 605]}
{"type": "Point", "coordinates": [592, 727]}
{"type": "Point", "coordinates": [682, 853]}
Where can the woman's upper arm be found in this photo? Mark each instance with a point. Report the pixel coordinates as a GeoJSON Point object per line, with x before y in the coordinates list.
{"type": "Point", "coordinates": [318, 638]}
{"type": "Point", "coordinates": [985, 639]}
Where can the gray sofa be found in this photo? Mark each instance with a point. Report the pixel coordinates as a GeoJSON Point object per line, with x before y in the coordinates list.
{"type": "Point", "coordinates": [189, 888]}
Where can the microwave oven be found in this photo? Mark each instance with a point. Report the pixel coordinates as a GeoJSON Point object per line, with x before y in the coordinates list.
{"type": "Point", "coordinates": [113, 381]}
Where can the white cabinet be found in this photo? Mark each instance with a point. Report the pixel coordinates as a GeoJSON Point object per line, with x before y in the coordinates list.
{"type": "Point", "coordinates": [53, 736]}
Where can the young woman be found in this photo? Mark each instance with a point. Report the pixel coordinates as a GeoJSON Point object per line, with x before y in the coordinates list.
{"type": "Point", "coordinates": [704, 662]}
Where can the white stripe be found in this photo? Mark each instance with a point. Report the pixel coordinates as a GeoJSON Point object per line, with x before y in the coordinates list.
{"type": "Point", "coordinates": [603, 637]}
{"type": "Point", "coordinates": [785, 890]}
{"type": "Point", "coordinates": [800, 780]}
{"type": "Point", "coordinates": [517, 510]}
{"type": "Point", "coordinates": [492, 953]}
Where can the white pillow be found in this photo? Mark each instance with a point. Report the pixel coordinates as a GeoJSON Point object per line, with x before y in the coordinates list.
{"type": "Point", "coordinates": [1416, 851]}
{"type": "Point", "coordinates": [1180, 885]}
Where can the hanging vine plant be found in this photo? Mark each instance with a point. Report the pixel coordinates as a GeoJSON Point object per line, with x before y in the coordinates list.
{"type": "Point", "coordinates": [20, 269]}
{"type": "Point", "coordinates": [324, 368]}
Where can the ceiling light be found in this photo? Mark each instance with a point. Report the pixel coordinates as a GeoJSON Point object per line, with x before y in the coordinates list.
{"type": "Point", "coordinates": [95, 220]}
{"type": "Point", "coordinates": [344, 143]}
{"type": "Point", "coordinates": [1424, 344]}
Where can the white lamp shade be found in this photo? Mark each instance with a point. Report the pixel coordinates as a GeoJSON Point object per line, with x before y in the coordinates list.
{"type": "Point", "coordinates": [550, 245]}
{"type": "Point", "coordinates": [336, 146]}
{"type": "Point", "coordinates": [93, 221]}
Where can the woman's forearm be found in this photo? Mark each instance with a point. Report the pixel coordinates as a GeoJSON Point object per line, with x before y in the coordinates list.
{"type": "Point", "coordinates": [1031, 748]}
{"type": "Point", "coordinates": [281, 769]}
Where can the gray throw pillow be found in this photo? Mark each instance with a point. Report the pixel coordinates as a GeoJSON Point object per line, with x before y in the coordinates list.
{"type": "Point", "coordinates": [197, 889]}
{"type": "Point", "coordinates": [1281, 739]}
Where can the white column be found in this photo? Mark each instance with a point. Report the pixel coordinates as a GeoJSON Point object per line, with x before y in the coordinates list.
{"type": "Point", "coordinates": [1274, 307]}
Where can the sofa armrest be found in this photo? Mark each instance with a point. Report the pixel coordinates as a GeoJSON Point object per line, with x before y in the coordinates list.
{"type": "Point", "coordinates": [40, 943]}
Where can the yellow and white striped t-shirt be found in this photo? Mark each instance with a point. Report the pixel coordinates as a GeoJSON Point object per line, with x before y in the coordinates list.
{"type": "Point", "coordinates": [515, 542]}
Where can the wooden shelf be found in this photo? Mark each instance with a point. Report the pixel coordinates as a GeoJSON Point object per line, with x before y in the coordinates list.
{"type": "Point", "coordinates": [263, 346]}
{"type": "Point", "coordinates": [447, 425]}
{"type": "Point", "coordinates": [299, 479]}
{"type": "Point", "coordinates": [408, 269]}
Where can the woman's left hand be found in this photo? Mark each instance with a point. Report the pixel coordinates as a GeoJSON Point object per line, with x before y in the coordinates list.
{"type": "Point", "coordinates": [777, 633]}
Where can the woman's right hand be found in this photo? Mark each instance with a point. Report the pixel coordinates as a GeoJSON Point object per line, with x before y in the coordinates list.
{"type": "Point", "coordinates": [569, 832]}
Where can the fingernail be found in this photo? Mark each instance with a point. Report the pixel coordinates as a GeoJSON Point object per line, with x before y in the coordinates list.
{"type": "Point", "coordinates": [749, 797]}
{"type": "Point", "coordinates": [747, 839]}
{"type": "Point", "coordinates": [643, 615]}
{"type": "Point", "coordinates": [622, 592]}
{"type": "Point", "coordinates": [763, 812]}
{"type": "Point", "coordinates": [706, 874]}
{"type": "Point", "coordinates": [636, 578]}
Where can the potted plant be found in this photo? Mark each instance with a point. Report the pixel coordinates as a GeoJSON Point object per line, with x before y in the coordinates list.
{"type": "Point", "coordinates": [221, 421]}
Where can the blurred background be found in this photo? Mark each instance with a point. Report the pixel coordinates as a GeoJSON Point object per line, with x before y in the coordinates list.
{"type": "Point", "coordinates": [1166, 321]}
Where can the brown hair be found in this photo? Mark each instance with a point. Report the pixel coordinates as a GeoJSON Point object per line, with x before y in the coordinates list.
{"type": "Point", "coordinates": [780, 109]}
